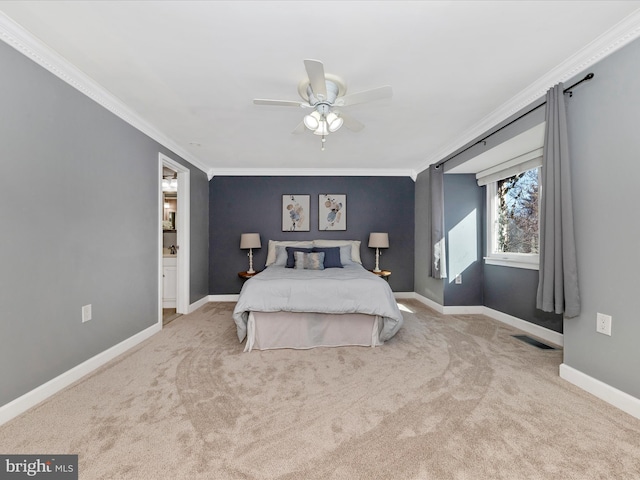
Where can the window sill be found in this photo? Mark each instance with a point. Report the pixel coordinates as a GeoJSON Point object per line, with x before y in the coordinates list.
{"type": "Point", "coordinates": [527, 263]}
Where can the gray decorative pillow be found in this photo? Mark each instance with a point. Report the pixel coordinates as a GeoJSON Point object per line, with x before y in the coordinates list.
{"type": "Point", "coordinates": [298, 260]}
{"type": "Point", "coordinates": [309, 261]}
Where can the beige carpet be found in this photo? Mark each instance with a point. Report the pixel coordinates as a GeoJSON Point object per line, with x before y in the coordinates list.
{"type": "Point", "coordinates": [450, 397]}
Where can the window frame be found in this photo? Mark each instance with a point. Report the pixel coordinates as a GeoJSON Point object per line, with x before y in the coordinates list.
{"type": "Point", "coordinates": [529, 261]}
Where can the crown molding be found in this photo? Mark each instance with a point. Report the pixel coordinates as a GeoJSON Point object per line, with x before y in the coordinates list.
{"type": "Point", "coordinates": [313, 172]}
{"type": "Point", "coordinates": [612, 40]}
{"type": "Point", "coordinates": [617, 37]}
{"type": "Point", "coordinates": [17, 37]}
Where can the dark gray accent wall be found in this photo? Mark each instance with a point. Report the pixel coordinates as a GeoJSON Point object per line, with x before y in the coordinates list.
{"type": "Point", "coordinates": [254, 204]}
{"type": "Point", "coordinates": [79, 226]}
{"type": "Point", "coordinates": [464, 227]}
{"type": "Point", "coordinates": [603, 117]}
{"type": "Point", "coordinates": [513, 291]}
{"type": "Point", "coordinates": [199, 234]}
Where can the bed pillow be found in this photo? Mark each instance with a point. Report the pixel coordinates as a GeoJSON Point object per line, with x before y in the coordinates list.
{"type": "Point", "coordinates": [331, 256]}
{"type": "Point", "coordinates": [291, 260]}
{"type": "Point", "coordinates": [355, 247]}
{"type": "Point", "coordinates": [272, 251]}
{"type": "Point", "coordinates": [299, 260]}
{"type": "Point", "coordinates": [309, 261]}
{"type": "Point", "coordinates": [345, 255]}
{"type": "Point", "coordinates": [281, 256]}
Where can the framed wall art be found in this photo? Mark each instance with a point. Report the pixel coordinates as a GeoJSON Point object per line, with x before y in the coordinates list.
{"type": "Point", "coordinates": [332, 211]}
{"type": "Point", "coordinates": [295, 213]}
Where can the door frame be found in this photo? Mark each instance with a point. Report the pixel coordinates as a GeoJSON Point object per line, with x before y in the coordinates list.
{"type": "Point", "coordinates": [183, 228]}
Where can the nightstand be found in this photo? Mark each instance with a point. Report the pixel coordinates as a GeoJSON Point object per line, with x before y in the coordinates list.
{"type": "Point", "coordinates": [382, 273]}
{"type": "Point", "coordinates": [246, 275]}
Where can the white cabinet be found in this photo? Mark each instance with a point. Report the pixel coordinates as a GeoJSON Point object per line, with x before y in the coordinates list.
{"type": "Point", "coordinates": [169, 281]}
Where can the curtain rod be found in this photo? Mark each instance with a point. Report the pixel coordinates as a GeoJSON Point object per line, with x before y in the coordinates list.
{"type": "Point", "coordinates": [589, 76]}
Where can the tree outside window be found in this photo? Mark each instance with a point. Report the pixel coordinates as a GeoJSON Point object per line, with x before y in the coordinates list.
{"type": "Point", "coordinates": [517, 213]}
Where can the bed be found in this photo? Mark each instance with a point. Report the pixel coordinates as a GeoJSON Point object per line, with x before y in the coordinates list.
{"type": "Point", "coordinates": [296, 302]}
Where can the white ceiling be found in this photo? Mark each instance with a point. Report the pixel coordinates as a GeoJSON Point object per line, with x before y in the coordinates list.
{"type": "Point", "coordinates": [188, 71]}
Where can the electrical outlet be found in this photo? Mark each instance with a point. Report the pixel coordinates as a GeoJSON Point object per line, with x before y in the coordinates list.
{"type": "Point", "coordinates": [458, 279]}
{"type": "Point", "coordinates": [86, 313]}
{"type": "Point", "coordinates": [603, 324]}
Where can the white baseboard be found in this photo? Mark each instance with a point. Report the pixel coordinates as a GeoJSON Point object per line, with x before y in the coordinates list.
{"type": "Point", "coordinates": [464, 310]}
{"type": "Point", "coordinates": [44, 391]}
{"type": "Point", "coordinates": [528, 327]}
{"type": "Point", "coordinates": [401, 295]}
{"type": "Point", "coordinates": [196, 305]}
{"type": "Point", "coordinates": [224, 298]}
{"type": "Point", "coordinates": [619, 399]}
{"type": "Point", "coordinates": [429, 303]}
{"type": "Point", "coordinates": [603, 391]}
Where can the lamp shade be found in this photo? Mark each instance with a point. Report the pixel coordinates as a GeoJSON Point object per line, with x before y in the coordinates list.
{"type": "Point", "coordinates": [379, 240]}
{"type": "Point", "coordinates": [250, 240]}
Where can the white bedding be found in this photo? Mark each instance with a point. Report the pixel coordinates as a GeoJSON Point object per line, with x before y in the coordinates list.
{"type": "Point", "coordinates": [272, 330]}
{"type": "Point", "coordinates": [351, 289]}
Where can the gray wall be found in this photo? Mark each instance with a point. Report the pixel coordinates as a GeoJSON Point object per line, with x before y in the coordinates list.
{"type": "Point", "coordinates": [504, 289]}
{"type": "Point", "coordinates": [603, 118]}
{"type": "Point", "coordinates": [254, 204]}
{"type": "Point", "coordinates": [430, 288]}
{"type": "Point", "coordinates": [513, 291]}
{"type": "Point", "coordinates": [79, 226]}
{"type": "Point", "coordinates": [464, 227]}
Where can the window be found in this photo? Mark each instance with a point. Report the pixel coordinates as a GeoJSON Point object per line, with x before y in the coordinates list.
{"type": "Point", "coordinates": [513, 199]}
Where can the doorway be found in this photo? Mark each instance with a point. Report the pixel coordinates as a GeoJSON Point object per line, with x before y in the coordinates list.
{"type": "Point", "coordinates": [173, 240]}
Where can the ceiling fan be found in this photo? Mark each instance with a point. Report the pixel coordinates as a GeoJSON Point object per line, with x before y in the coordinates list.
{"type": "Point", "coordinates": [325, 94]}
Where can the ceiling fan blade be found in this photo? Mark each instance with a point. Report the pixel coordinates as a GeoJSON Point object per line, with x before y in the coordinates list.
{"type": "Point", "coordinates": [351, 123]}
{"type": "Point", "coordinates": [365, 96]}
{"type": "Point", "coordinates": [299, 129]}
{"type": "Point", "coordinates": [280, 103]}
{"type": "Point", "coordinates": [315, 71]}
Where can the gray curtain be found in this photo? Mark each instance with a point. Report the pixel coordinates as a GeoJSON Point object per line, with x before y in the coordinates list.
{"type": "Point", "coordinates": [438, 253]}
{"type": "Point", "coordinates": [558, 283]}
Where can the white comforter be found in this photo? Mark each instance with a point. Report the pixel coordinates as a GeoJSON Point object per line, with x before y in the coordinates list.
{"type": "Point", "coordinates": [351, 289]}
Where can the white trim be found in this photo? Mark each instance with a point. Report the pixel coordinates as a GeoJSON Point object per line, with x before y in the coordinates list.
{"type": "Point", "coordinates": [30, 46]}
{"type": "Point", "coordinates": [542, 333]}
{"type": "Point", "coordinates": [196, 305]}
{"type": "Point", "coordinates": [224, 298]}
{"type": "Point", "coordinates": [530, 261]}
{"type": "Point", "coordinates": [183, 229]}
{"type": "Point", "coordinates": [511, 167]}
{"type": "Point", "coordinates": [314, 172]}
{"type": "Point", "coordinates": [527, 327]}
{"type": "Point", "coordinates": [615, 38]}
{"type": "Point", "coordinates": [46, 390]}
{"type": "Point", "coordinates": [403, 295]}
{"type": "Point", "coordinates": [530, 264]}
{"type": "Point", "coordinates": [463, 310]}
{"type": "Point", "coordinates": [619, 399]}
{"type": "Point", "coordinates": [429, 303]}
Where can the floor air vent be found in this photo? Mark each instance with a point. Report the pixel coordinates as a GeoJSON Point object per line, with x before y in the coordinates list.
{"type": "Point", "coordinates": [533, 341]}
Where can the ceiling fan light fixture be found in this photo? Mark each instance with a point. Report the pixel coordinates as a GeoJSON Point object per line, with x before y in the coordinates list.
{"type": "Point", "coordinates": [334, 122]}
{"type": "Point", "coordinates": [312, 121]}
{"type": "Point", "coordinates": [322, 128]}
